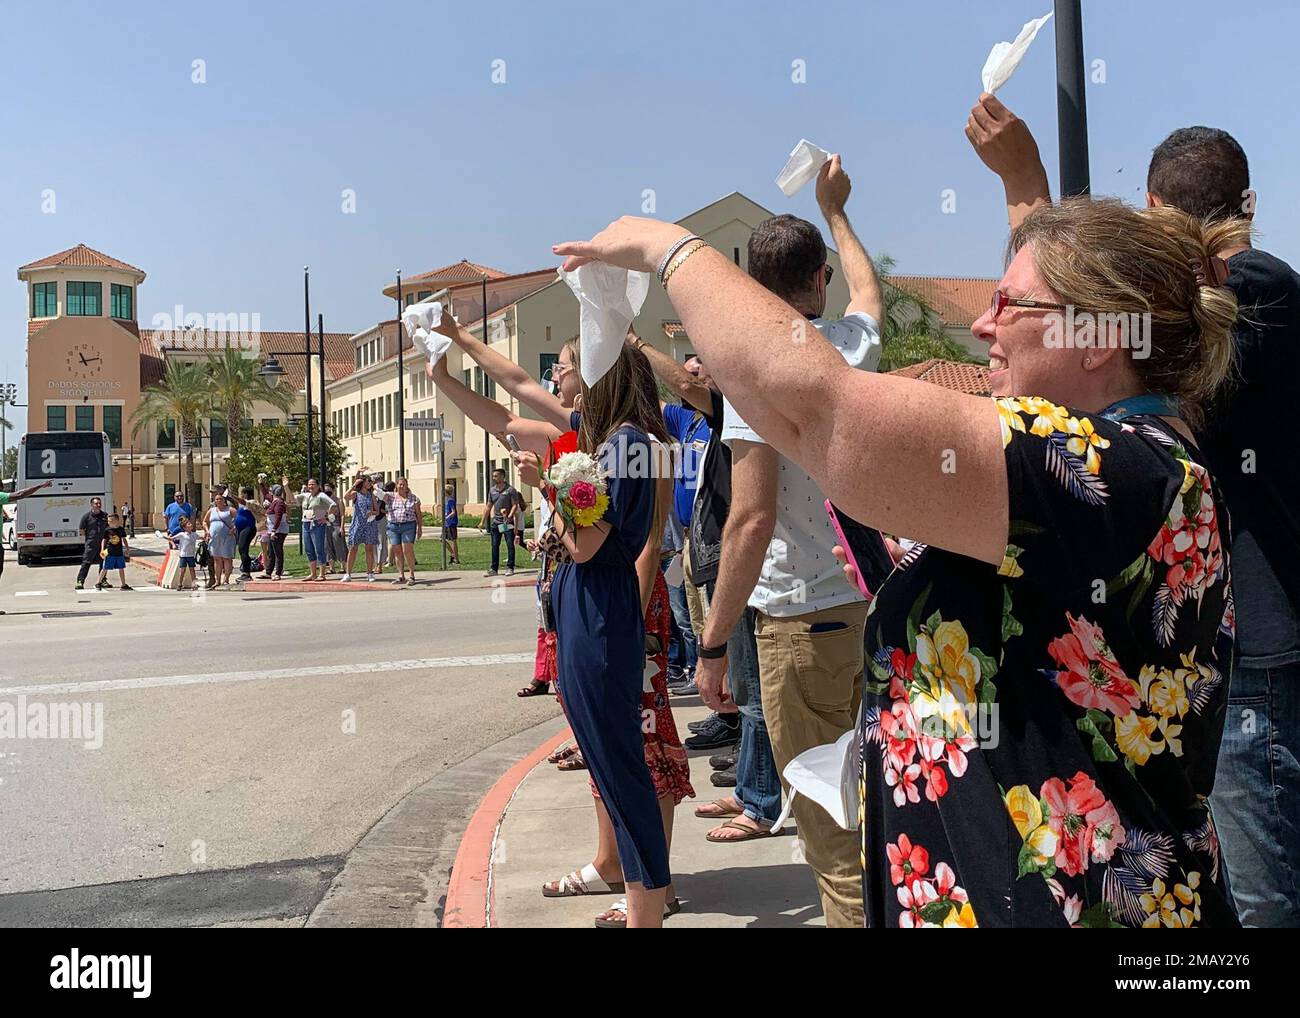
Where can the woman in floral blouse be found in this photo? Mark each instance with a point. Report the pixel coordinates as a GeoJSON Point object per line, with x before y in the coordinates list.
{"type": "Point", "coordinates": [1047, 682]}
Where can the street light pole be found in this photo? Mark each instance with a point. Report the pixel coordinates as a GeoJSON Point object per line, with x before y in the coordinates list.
{"type": "Point", "coordinates": [487, 472]}
{"type": "Point", "coordinates": [1071, 103]}
{"type": "Point", "coordinates": [401, 402]}
{"type": "Point", "coordinates": [306, 339]}
{"type": "Point", "coordinates": [320, 343]}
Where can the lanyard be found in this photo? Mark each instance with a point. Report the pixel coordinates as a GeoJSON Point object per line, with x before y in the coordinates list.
{"type": "Point", "coordinates": [1158, 404]}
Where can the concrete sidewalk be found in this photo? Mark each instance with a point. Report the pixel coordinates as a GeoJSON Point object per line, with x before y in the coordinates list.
{"type": "Point", "coordinates": [548, 829]}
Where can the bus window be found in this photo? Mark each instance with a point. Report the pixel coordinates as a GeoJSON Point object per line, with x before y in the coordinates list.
{"type": "Point", "coordinates": [62, 455]}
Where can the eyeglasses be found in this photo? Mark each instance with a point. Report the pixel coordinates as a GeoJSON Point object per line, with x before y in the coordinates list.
{"type": "Point", "coordinates": [830, 274]}
{"type": "Point", "coordinates": [1001, 301]}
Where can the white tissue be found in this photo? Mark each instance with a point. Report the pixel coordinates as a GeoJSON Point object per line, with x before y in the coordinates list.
{"type": "Point", "coordinates": [806, 160]}
{"type": "Point", "coordinates": [828, 775]}
{"type": "Point", "coordinates": [1005, 57]}
{"type": "Point", "coordinates": [420, 320]}
{"type": "Point", "coordinates": [609, 298]}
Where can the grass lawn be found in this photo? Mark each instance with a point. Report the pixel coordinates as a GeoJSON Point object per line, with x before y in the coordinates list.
{"type": "Point", "coordinates": [475, 555]}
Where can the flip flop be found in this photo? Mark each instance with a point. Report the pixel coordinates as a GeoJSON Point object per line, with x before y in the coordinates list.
{"type": "Point", "coordinates": [762, 832]}
{"type": "Point", "coordinates": [724, 809]}
{"type": "Point", "coordinates": [573, 763]}
{"type": "Point", "coordinates": [535, 688]}
{"type": "Point", "coordinates": [580, 883]}
{"type": "Point", "coordinates": [563, 753]}
{"type": "Point", "coordinates": [671, 908]}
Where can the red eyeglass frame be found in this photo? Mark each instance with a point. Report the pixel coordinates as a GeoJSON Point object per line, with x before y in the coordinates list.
{"type": "Point", "coordinates": [1001, 302]}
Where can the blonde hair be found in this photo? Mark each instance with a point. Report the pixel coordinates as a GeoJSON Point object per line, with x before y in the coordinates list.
{"type": "Point", "coordinates": [1101, 256]}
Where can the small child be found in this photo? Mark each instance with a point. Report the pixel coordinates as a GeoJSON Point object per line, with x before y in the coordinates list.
{"type": "Point", "coordinates": [114, 550]}
{"type": "Point", "coordinates": [186, 544]}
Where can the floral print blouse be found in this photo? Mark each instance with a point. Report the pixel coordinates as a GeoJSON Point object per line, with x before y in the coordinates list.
{"type": "Point", "coordinates": [1039, 738]}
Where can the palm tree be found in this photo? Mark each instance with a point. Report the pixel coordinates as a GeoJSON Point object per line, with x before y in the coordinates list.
{"type": "Point", "coordinates": [234, 386]}
{"type": "Point", "coordinates": [184, 396]}
{"type": "Point", "coordinates": [912, 332]}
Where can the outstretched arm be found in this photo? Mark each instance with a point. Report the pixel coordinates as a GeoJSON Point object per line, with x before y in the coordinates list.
{"type": "Point", "coordinates": [28, 492]}
{"type": "Point", "coordinates": [507, 374]}
{"type": "Point", "coordinates": [673, 375]}
{"type": "Point", "coordinates": [534, 436]}
{"type": "Point", "coordinates": [1006, 146]}
{"type": "Point", "coordinates": [833, 187]}
{"type": "Point", "coordinates": [847, 428]}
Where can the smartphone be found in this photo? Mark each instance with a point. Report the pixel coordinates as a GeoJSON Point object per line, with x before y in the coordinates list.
{"type": "Point", "coordinates": [513, 443]}
{"type": "Point", "coordinates": [866, 550]}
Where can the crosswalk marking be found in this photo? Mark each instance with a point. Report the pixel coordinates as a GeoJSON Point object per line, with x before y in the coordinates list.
{"type": "Point", "coordinates": [308, 671]}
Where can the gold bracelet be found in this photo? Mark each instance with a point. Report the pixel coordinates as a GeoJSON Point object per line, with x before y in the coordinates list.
{"type": "Point", "coordinates": [681, 257]}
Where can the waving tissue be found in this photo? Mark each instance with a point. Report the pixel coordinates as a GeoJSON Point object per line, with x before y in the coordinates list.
{"type": "Point", "coordinates": [609, 298]}
{"type": "Point", "coordinates": [1005, 57]}
{"type": "Point", "coordinates": [805, 161]}
{"type": "Point", "coordinates": [419, 321]}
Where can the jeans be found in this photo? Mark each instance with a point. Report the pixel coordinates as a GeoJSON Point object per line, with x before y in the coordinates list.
{"type": "Point", "coordinates": [686, 635]}
{"type": "Point", "coordinates": [245, 539]}
{"type": "Point", "coordinates": [316, 541]}
{"type": "Point", "coordinates": [1255, 804]}
{"type": "Point", "coordinates": [758, 785]}
{"type": "Point", "coordinates": [90, 557]}
{"type": "Point", "coordinates": [275, 555]}
{"type": "Point", "coordinates": [497, 537]}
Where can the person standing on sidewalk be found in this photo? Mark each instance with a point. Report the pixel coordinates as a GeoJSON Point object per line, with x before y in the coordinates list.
{"type": "Point", "coordinates": [364, 529]}
{"type": "Point", "coordinates": [93, 527]}
{"type": "Point", "coordinates": [316, 508]}
{"type": "Point", "coordinates": [245, 529]}
{"type": "Point", "coordinates": [500, 512]}
{"type": "Point", "coordinates": [179, 508]}
{"type": "Point", "coordinates": [116, 550]}
{"type": "Point", "coordinates": [776, 551]}
{"type": "Point", "coordinates": [405, 527]}
{"type": "Point", "coordinates": [277, 527]}
{"type": "Point", "coordinates": [450, 523]}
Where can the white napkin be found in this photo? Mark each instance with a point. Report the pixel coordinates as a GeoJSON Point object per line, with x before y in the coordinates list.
{"type": "Point", "coordinates": [806, 160]}
{"type": "Point", "coordinates": [828, 775]}
{"type": "Point", "coordinates": [609, 298]}
{"type": "Point", "coordinates": [420, 320]}
{"type": "Point", "coordinates": [1005, 57]}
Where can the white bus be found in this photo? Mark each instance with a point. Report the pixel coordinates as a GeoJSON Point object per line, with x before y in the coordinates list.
{"type": "Point", "coordinates": [80, 463]}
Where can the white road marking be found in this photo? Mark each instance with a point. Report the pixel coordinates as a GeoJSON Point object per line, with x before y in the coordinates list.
{"type": "Point", "coordinates": [31, 593]}
{"type": "Point", "coordinates": [207, 678]}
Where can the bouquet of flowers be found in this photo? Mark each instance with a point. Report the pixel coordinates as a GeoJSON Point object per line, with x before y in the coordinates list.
{"type": "Point", "coordinates": [578, 489]}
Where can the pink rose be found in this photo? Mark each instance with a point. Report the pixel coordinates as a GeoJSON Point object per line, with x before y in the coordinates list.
{"type": "Point", "coordinates": [582, 494]}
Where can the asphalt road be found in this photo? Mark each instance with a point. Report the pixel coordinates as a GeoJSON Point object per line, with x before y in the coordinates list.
{"type": "Point", "coordinates": [248, 740]}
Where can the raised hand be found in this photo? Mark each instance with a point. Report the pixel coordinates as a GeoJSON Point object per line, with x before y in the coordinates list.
{"type": "Point", "coordinates": [833, 187]}
{"type": "Point", "coordinates": [631, 242]}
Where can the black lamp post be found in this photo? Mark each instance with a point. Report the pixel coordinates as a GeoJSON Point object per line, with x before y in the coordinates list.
{"type": "Point", "coordinates": [1071, 103]}
{"type": "Point", "coordinates": [401, 403]}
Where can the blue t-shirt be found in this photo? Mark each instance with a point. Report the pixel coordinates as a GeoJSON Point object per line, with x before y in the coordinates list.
{"type": "Point", "coordinates": [692, 431]}
{"type": "Point", "coordinates": [449, 517]}
{"type": "Point", "coordinates": [174, 512]}
{"type": "Point", "coordinates": [244, 518]}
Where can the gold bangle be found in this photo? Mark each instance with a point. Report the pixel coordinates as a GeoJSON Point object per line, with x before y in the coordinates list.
{"type": "Point", "coordinates": [681, 257]}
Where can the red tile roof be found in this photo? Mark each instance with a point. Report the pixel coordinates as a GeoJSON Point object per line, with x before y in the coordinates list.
{"type": "Point", "coordinates": [80, 256]}
{"type": "Point", "coordinates": [972, 379]}
{"type": "Point", "coordinates": [339, 357]}
{"type": "Point", "coordinates": [463, 271]}
{"type": "Point", "coordinates": [673, 329]}
{"type": "Point", "coordinates": [958, 301]}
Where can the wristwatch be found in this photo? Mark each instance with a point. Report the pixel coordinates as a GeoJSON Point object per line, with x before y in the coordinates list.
{"type": "Point", "coordinates": [711, 652]}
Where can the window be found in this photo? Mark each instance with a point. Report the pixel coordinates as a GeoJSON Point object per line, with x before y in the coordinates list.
{"type": "Point", "coordinates": [167, 435]}
{"type": "Point", "coordinates": [368, 417]}
{"type": "Point", "coordinates": [548, 334]}
{"type": "Point", "coordinates": [246, 423]}
{"type": "Point", "coordinates": [410, 299]}
{"type": "Point", "coordinates": [546, 362]}
{"type": "Point", "coordinates": [113, 425]}
{"type": "Point", "coordinates": [169, 493]}
{"type": "Point", "coordinates": [85, 418]}
{"type": "Point", "coordinates": [85, 298]}
{"type": "Point", "coordinates": [388, 411]}
{"type": "Point", "coordinates": [121, 303]}
{"type": "Point", "coordinates": [423, 294]}
{"type": "Point", "coordinates": [218, 434]}
{"type": "Point", "coordinates": [270, 421]}
{"type": "Point", "coordinates": [56, 418]}
{"type": "Point", "coordinates": [45, 300]}
{"type": "Point", "coordinates": [482, 488]}
{"type": "Point", "coordinates": [357, 351]}
{"type": "Point", "coordinates": [465, 377]}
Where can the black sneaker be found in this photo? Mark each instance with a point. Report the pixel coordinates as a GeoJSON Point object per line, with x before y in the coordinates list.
{"type": "Point", "coordinates": [719, 735]}
{"type": "Point", "coordinates": [712, 719]}
{"type": "Point", "coordinates": [722, 761]}
{"type": "Point", "coordinates": [684, 689]}
{"type": "Point", "coordinates": [79, 586]}
{"type": "Point", "coordinates": [724, 779]}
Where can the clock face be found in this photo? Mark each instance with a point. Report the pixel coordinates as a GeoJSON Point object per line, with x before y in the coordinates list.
{"type": "Point", "coordinates": [85, 361]}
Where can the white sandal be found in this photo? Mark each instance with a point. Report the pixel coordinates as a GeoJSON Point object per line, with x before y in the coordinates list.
{"type": "Point", "coordinates": [582, 882]}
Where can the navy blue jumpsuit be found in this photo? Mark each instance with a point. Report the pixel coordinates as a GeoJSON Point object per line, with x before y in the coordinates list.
{"type": "Point", "coordinates": [600, 649]}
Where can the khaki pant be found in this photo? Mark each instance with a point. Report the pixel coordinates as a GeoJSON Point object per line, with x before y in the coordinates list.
{"type": "Point", "coordinates": [697, 600]}
{"type": "Point", "coordinates": [812, 686]}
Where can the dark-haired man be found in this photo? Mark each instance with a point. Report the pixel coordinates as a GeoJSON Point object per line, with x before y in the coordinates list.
{"type": "Point", "coordinates": [94, 528]}
{"type": "Point", "coordinates": [776, 545]}
{"type": "Point", "coordinates": [1204, 172]}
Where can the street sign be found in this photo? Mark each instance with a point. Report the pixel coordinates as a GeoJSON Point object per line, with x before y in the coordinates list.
{"type": "Point", "coordinates": [421, 424]}
{"type": "Point", "coordinates": [446, 434]}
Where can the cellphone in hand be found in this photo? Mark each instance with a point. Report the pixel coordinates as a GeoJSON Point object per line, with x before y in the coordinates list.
{"type": "Point", "coordinates": [865, 549]}
{"type": "Point", "coordinates": [513, 443]}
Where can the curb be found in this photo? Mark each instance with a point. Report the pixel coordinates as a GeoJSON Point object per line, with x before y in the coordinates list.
{"type": "Point", "coordinates": [470, 897]}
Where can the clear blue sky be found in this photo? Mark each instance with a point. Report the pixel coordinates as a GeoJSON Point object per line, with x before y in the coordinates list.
{"type": "Point", "coordinates": [221, 192]}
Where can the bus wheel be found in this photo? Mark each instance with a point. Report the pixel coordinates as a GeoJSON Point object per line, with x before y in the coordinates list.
{"type": "Point", "coordinates": [24, 559]}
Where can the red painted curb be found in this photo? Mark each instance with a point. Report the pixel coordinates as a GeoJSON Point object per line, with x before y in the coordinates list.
{"type": "Point", "coordinates": [469, 893]}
